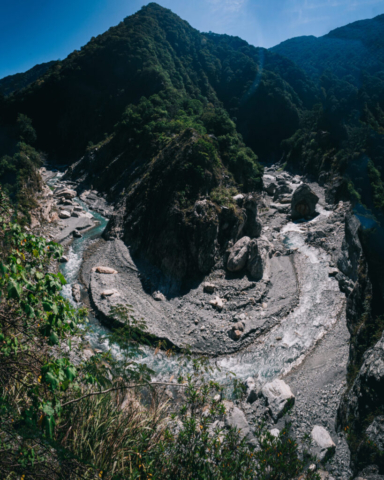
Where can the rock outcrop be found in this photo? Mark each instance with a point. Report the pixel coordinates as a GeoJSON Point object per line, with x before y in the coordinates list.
{"type": "Point", "coordinates": [304, 202]}
{"type": "Point", "coordinates": [238, 256]}
{"type": "Point", "coordinates": [323, 447]}
{"type": "Point", "coordinates": [278, 397]}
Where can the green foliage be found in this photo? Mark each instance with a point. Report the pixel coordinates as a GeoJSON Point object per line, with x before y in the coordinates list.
{"type": "Point", "coordinates": [377, 186]}
{"type": "Point", "coordinates": [67, 419]}
{"type": "Point", "coordinates": [18, 174]}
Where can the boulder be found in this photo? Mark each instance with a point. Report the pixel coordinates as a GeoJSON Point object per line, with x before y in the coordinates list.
{"type": "Point", "coordinates": [64, 259]}
{"type": "Point", "coordinates": [105, 270]}
{"type": "Point", "coordinates": [235, 418]}
{"type": "Point", "coordinates": [375, 432]}
{"type": "Point", "coordinates": [322, 444]}
{"type": "Point", "coordinates": [76, 292]}
{"type": "Point", "coordinates": [278, 396]}
{"type": "Point", "coordinates": [76, 234]}
{"type": "Point", "coordinates": [252, 225]}
{"type": "Point", "coordinates": [270, 184]}
{"type": "Point", "coordinates": [64, 214]}
{"type": "Point", "coordinates": [209, 287]}
{"type": "Point", "coordinates": [239, 199]}
{"type": "Point", "coordinates": [217, 303]}
{"type": "Point", "coordinates": [238, 255]}
{"type": "Point", "coordinates": [235, 334]}
{"type": "Point", "coordinates": [76, 214]}
{"type": "Point", "coordinates": [304, 202]}
{"type": "Point", "coordinates": [251, 390]}
{"type": "Point", "coordinates": [65, 192]}
{"type": "Point", "coordinates": [158, 296]}
{"type": "Point", "coordinates": [258, 262]}
{"type": "Point", "coordinates": [109, 293]}
{"type": "Point", "coordinates": [275, 432]}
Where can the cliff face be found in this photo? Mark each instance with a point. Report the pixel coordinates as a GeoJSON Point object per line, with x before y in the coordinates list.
{"type": "Point", "coordinates": [174, 213]}
{"type": "Point", "coordinates": [361, 409]}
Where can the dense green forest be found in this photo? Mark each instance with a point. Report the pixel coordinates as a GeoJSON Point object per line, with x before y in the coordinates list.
{"type": "Point", "coordinates": [320, 109]}
{"type": "Point", "coordinates": [13, 83]}
{"type": "Point", "coordinates": [346, 129]}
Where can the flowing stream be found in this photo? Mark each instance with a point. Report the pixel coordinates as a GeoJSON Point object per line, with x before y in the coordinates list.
{"type": "Point", "coordinates": [273, 354]}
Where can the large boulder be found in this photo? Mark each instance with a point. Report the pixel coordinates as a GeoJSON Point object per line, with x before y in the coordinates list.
{"type": "Point", "coordinates": [278, 396]}
{"type": "Point", "coordinates": [238, 255]}
{"type": "Point", "coordinates": [258, 263]}
{"type": "Point", "coordinates": [252, 225]}
{"type": "Point", "coordinates": [64, 192]}
{"type": "Point", "coordinates": [235, 418]}
{"type": "Point", "coordinates": [304, 202]}
{"type": "Point", "coordinates": [322, 444]}
{"type": "Point", "coordinates": [270, 184]}
{"type": "Point", "coordinates": [65, 214]}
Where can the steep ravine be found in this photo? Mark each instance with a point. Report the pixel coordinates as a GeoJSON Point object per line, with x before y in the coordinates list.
{"type": "Point", "coordinates": [294, 320]}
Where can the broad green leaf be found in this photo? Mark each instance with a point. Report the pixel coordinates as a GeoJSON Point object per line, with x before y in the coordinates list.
{"type": "Point", "coordinates": [53, 339]}
{"type": "Point", "coordinates": [14, 290]}
{"type": "Point", "coordinates": [62, 279]}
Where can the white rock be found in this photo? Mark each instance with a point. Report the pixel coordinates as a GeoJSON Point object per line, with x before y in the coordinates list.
{"type": "Point", "coordinates": [158, 296]}
{"type": "Point", "coordinates": [279, 397]}
{"type": "Point", "coordinates": [251, 392]}
{"type": "Point", "coordinates": [109, 293]}
{"type": "Point", "coordinates": [217, 303]}
{"type": "Point", "coordinates": [323, 445]}
{"type": "Point", "coordinates": [209, 287]}
{"type": "Point", "coordinates": [275, 432]}
{"type": "Point", "coordinates": [65, 214]}
{"type": "Point", "coordinates": [106, 270]}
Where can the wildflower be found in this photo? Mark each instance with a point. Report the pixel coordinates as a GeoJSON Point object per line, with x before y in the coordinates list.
{"type": "Point", "coordinates": [39, 379]}
{"type": "Point", "coordinates": [101, 473]}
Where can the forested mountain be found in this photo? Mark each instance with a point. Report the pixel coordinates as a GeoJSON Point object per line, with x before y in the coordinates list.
{"type": "Point", "coordinates": [346, 131]}
{"type": "Point", "coordinates": [13, 83]}
{"type": "Point", "coordinates": [82, 98]}
{"type": "Point", "coordinates": [345, 52]}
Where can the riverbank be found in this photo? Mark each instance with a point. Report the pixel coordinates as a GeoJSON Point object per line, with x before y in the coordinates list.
{"type": "Point", "coordinates": [294, 322]}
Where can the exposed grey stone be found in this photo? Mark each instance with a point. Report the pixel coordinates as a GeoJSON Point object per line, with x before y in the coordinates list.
{"type": "Point", "coordinates": [238, 255]}
{"type": "Point", "coordinates": [235, 418]}
{"type": "Point", "coordinates": [64, 214]}
{"type": "Point", "coordinates": [323, 445]}
{"type": "Point", "coordinates": [258, 263]}
{"type": "Point", "coordinates": [158, 296]}
{"type": "Point", "coordinates": [278, 396]}
{"type": "Point", "coordinates": [209, 287]}
{"type": "Point", "coordinates": [304, 202]}
{"type": "Point", "coordinates": [251, 390]}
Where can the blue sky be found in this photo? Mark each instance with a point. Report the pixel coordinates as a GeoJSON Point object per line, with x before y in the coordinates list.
{"type": "Point", "coordinates": [36, 31]}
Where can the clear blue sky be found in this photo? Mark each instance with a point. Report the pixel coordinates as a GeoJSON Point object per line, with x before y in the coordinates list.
{"type": "Point", "coordinates": [36, 31]}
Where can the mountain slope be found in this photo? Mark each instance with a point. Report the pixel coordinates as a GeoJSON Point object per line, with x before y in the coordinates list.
{"type": "Point", "coordinates": [12, 83]}
{"type": "Point", "coordinates": [83, 97]}
{"type": "Point", "coordinates": [345, 52]}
